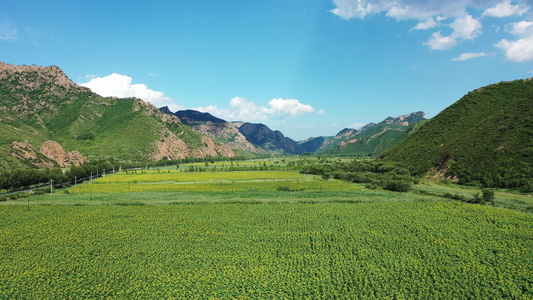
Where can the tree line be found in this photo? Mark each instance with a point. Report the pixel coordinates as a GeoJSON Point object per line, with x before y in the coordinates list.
{"type": "Point", "coordinates": [20, 179]}
{"type": "Point", "coordinates": [374, 174]}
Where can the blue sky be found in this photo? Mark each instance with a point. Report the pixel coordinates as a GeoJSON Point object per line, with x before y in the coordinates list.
{"type": "Point", "coordinates": [304, 67]}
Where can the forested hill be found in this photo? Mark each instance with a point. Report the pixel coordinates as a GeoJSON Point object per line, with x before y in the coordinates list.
{"type": "Point", "coordinates": [486, 137]}
{"type": "Point", "coordinates": [47, 120]}
{"type": "Point", "coordinates": [373, 139]}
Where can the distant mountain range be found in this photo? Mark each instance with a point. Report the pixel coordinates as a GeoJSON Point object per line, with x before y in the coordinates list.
{"type": "Point", "coordinates": [46, 120]}
{"type": "Point", "coordinates": [254, 138]}
{"type": "Point", "coordinates": [370, 140]}
{"type": "Point", "coordinates": [217, 129]}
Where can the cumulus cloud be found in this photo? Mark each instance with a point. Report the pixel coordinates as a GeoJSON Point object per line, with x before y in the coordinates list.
{"type": "Point", "coordinates": [467, 56]}
{"type": "Point", "coordinates": [505, 9]}
{"type": "Point", "coordinates": [454, 14]}
{"type": "Point", "coordinates": [465, 28]}
{"type": "Point", "coordinates": [522, 28]}
{"type": "Point", "coordinates": [404, 9]}
{"type": "Point", "coordinates": [116, 85]}
{"type": "Point", "coordinates": [519, 50]}
{"type": "Point", "coordinates": [439, 42]}
{"type": "Point", "coordinates": [8, 32]}
{"type": "Point", "coordinates": [240, 109]}
{"type": "Point", "coordinates": [429, 23]}
{"type": "Point", "coordinates": [348, 9]}
{"type": "Point", "coordinates": [321, 112]}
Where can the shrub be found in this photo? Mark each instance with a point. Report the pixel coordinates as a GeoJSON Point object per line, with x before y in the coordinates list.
{"type": "Point", "coordinates": [398, 186]}
{"type": "Point", "coordinates": [488, 195]}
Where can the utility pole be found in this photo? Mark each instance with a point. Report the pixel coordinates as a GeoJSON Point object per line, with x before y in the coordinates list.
{"type": "Point", "coordinates": [51, 181]}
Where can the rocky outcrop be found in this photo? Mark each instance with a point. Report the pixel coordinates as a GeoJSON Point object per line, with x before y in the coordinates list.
{"type": "Point", "coordinates": [24, 151]}
{"type": "Point", "coordinates": [227, 134]}
{"type": "Point", "coordinates": [220, 131]}
{"type": "Point", "coordinates": [212, 149]}
{"type": "Point", "coordinates": [52, 78]}
{"type": "Point", "coordinates": [55, 152]}
{"type": "Point", "coordinates": [172, 147]}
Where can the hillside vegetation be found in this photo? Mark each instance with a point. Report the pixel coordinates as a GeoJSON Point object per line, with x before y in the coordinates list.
{"type": "Point", "coordinates": [40, 104]}
{"type": "Point", "coordinates": [372, 139]}
{"type": "Point", "coordinates": [484, 138]}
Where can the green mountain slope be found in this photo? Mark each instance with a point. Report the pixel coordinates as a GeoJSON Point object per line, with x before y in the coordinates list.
{"type": "Point", "coordinates": [372, 139]}
{"type": "Point", "coordinates": [39, 104]}
{"type": "Point", "coordinates": [486, 137]}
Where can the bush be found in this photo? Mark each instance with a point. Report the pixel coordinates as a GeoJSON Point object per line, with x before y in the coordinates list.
{"type": "Point", "coordinates": [488, 195]}
{"type": "Point", "coordinates": [398, 186]}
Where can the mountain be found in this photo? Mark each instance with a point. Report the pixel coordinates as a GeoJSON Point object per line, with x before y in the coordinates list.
{"type": "Point", "coordinates": [46, 120]}
{"type": "Point", "coordinates": [217, 129]}
{"type": "Point", "coordinates": [273, 141]}
{"type": "Point", "coordinates": [484, 138]}
{"type": "Point", "coordinates": [192, 117]}
{"type": "Point", "coordinates": [372, 139]}
{"type": "Point", "coordinates": [312, 144]}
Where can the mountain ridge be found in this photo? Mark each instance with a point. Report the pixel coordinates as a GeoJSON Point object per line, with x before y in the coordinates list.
{"type": "Point", "coordinates": [372, 139]}
{"type": "Point", "coordinates": [483, 138]}
{"type": "Point", "coordinates": [41, 104]}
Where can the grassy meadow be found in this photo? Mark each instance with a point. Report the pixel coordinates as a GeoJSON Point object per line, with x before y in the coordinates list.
{"type": "Point", "coordinates": [260, 234]}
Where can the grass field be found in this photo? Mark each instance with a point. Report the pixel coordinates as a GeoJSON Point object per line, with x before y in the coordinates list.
{"type": "Point", "coordinates": [255, 241]}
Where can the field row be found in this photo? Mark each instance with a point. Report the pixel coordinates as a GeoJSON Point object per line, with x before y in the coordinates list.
{"type": "Point", "coordinates": [422, 250]}
{"type": "Point", "coordinates": [283, 186]}
{"type": "Point", "coordinates": [198, 176]}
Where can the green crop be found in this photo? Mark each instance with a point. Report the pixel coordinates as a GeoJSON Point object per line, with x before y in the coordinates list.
{"type": "Point", "coordinates": [378, 250]}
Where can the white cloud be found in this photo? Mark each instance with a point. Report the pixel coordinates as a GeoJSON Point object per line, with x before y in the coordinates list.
{"type": "Point", "coordinates": [439, 42]}
{"type": "Point", "coordinates": [243, 110]}
{"type": "Point", "coordinates": [429, 23]}
{"type": "Point", "coordinates": [116, 85]}
{"type": "Point", "coordinates": [8, 32]}
{"type": "Point", "coordinates": [467, 56]}
{"type": "Point", "coordinates": [522, 28]}
{"type": "Point", "coordinates": [519, 50]}
{"type": "Point", "coordinates": [522, 49]}
{"type": "Point", "coordinates": [405, 9]}
{"type": "Point", "coordinates": [454, 14]}
{"type": "Point", "coordinates": [464, 28]}
{"type": "Point", "coordinates": [348, 9]}
{"type": "Point", "coordinates": [505, 9]}
{"type": "Point", "coordinates": [321, 112]}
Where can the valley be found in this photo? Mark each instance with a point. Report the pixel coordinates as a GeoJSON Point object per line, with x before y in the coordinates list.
{"type": "Point", "coordinates": [231, 234]}
{"type": "Point", "coordinates": [201, 207]}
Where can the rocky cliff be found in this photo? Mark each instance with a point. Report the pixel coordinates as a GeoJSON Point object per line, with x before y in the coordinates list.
{"type": "Point", "coordinates": [40, 104]}
{"type": "Point", "coordinates": [262, 136]}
